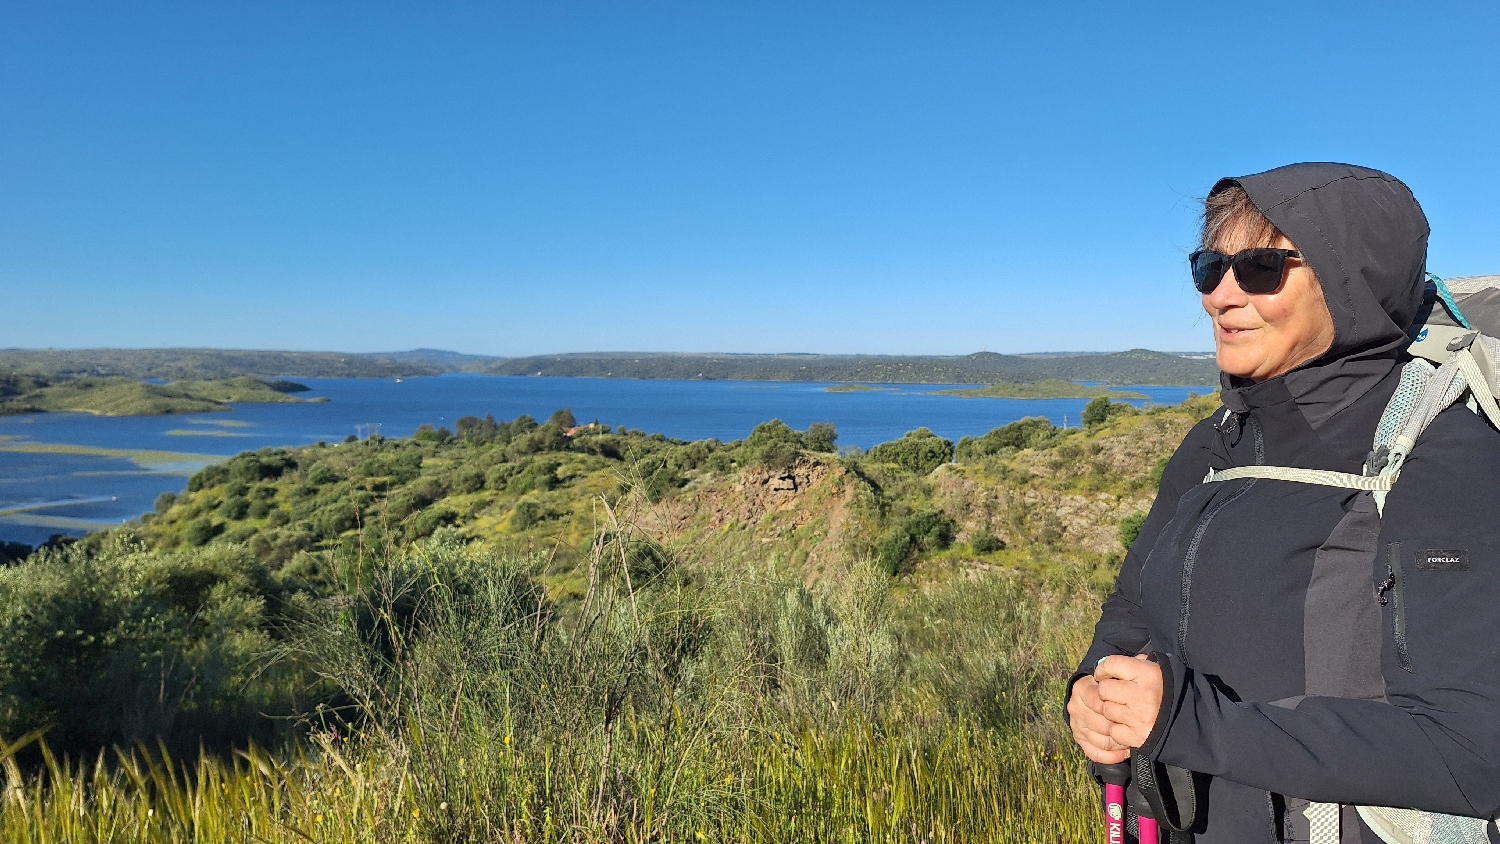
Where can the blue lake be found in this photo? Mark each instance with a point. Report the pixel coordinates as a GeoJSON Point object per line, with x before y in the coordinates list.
{"type": "Point", "coordinates": [46, 493]}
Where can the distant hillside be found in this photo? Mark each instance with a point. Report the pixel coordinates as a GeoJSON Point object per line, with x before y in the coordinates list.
{"type": "Point", "coordinates": [442, 359]}
{"type": "Point", "coordinates": [1137, 366]}
{"type": "Point", "coordinates": [210, 364]}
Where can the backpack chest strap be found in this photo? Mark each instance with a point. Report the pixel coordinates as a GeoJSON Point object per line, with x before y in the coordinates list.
{"type": "Point", "coordinates": [1319, 477]}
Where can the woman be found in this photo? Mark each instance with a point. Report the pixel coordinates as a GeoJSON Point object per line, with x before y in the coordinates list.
{"type": "Point", "coordinates": [1251, 638]}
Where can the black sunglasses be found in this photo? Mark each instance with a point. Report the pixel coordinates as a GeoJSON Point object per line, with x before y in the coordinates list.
{"type": "Point", "coordinates": [1256, 270]}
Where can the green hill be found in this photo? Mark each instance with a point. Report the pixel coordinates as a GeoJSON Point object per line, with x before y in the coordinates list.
{"type": "Point", "coordinates": [117, 396]}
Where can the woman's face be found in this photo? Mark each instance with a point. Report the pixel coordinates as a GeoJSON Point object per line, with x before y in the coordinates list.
{"type": "Point", "coordinates": [1262, 335]}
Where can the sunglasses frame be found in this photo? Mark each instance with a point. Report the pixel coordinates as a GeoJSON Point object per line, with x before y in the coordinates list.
{"type": "Point", "coordinates": [1241, 259]}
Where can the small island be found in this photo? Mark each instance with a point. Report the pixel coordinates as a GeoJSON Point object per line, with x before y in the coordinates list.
{"type": "Point", "coordinates": [1051, 388]}
{"type": "Point", "coordinates": [121, 396]}
{"type": "Point", "coordinates": [855, 388]}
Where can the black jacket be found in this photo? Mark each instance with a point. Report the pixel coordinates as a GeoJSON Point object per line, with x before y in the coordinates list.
{"type": "Point", "coordinates": [1296, 666]}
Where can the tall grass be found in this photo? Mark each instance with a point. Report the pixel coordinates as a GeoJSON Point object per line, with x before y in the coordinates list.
{"type": "Point", "coordinates": [672, 703]}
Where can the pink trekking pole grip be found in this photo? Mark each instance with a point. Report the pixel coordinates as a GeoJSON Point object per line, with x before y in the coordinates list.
{"type": "Point", "coordinates": [1114, 778]}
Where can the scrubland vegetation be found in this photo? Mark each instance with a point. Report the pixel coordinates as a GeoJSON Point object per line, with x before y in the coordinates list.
{"type": "Point", "coordinates": [523, 631]}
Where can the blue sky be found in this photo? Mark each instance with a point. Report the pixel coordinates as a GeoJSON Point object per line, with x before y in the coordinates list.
{"type": "Point", "coordinates": [506, 178]}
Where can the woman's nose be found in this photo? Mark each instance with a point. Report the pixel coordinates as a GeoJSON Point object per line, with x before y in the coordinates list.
{"type": "Point", "coordinates": [1227, 295]}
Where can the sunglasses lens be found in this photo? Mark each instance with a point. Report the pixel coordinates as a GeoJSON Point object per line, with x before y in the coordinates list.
{"type": "Point", "coordinates": [1208, 269]}
{"type": "Point", "coordinates": [1259, 271]}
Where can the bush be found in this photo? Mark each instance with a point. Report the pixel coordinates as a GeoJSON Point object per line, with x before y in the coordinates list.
{"type": "Point", "coordinates": [209, 476]}
{"type": "Point", "coordinates": [200, 531]}
{"type": "Point", "coordinates": [536, 475]}
{"type": "Point", "coordinates": [893, 550]}
{"type": "Point", "coordinates": [115, 646]}
{"type": "Point", "coordinates": [984, 542]}
{"type": "Point", "coordinates": [165, 501]}
{"type": "Point", "coordinates": [425, 434]}
{"type": "Point", "coordinates": [1031, 432]}
{"type": "Point", "coordinates": [322, 474]}
{"type": "Point", "coordinates": [429, 520]}
{"type": "Point", "coordinates": [525, 515]}
{"type": "Point", "coordinates": [235, 508]}
{"type": "Point", "coordinates": [919, 451]}
{"type": "Point", "coordinates": [1096, 412]}
{"type": "Point", "coordinates": [1130, 528]}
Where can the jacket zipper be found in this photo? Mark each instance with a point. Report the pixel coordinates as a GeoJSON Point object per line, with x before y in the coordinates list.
{"type": "Point", "coordinates": [1396, 583]}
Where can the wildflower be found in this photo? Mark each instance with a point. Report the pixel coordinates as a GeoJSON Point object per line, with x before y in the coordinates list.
{"type": "Point", "coordinates": [443, 806]}
{"type": "Point", "coordinates": [701, 836]}
{"type": "Point", "coordinates": [150, 812]}
{"type": "Point", "coordinates": [729, 779]}
{"type": "Point", "coordinates": [507, 741]}
{"type": "Point", "coordinates": [317, 818]}
{"type": "Point", "coordinates": [416, 813]}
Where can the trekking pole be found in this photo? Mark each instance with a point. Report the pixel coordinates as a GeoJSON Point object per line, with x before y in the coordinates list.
{"type": "Point", "coordinates": [1114, 777]}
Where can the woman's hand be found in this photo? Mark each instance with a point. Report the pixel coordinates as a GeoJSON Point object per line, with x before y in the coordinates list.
{"type": "Point", "coordinates": [1130, 692]}
{"type": "Point", "coordinates": [1090, 728]}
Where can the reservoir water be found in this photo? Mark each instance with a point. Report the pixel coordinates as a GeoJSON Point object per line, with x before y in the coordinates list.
{"type": "Point", "coordinates": [72, 472]}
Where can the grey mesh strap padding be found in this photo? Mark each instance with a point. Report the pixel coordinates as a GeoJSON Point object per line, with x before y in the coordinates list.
{"type": "Point", "coordinates": [1322, 823]}
{"type": "Point", "coordinates": [1409, 826]}
{"type": "Point", "coordinates": [1319, 477]}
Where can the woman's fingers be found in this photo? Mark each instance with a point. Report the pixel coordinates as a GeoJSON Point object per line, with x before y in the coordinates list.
{"type": "Point", "coordinates": [1090, 728]}
{"type": "Point", "coordinates": [1131, 707]}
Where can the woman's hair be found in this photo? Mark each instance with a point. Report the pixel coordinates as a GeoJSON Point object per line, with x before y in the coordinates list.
{"type": "Point", "coordinates": [1230, 212]}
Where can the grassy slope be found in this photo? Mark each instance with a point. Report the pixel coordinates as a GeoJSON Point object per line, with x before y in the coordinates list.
{"type": "Point", "coordinates": [1052, 388]}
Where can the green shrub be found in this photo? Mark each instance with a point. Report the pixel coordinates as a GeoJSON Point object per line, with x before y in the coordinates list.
{"type": "Point", "coordinates": [429, 520]}
{"type": "Point", "coordinates": [200, 530]}
{"type": "Point", "coordinates": [114, 646]}
{"type": "Point", "coordinates": [322, 474]}
{"type": "Point", "coordinates": [919, 451]}
{"type": "Point", "coordinates": [539, 474]}
{"type": "Point", "coordinates": [209, 476]}
{"type": "Point", "coordinates": [1096, 412]}
{"type": "Point", "coordinates": [1130, 529]}
{"type": "Point", "coordinates": [165, 501]}
{"type": "Point", "coordinates": [259, 509]}
{"type": "Point", "coordinates": [893, 551]}
{"type": "Point", "coordinates": [1031, 432]}
{"type": "Point", "coordinates": [525, 515]}
{"type": "Point", "coordinates": [984, 542]}
{"type": "Point", "coordinates": [235, 508]}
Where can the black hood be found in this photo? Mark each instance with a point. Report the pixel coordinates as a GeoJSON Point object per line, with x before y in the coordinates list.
{"type": "Point", "coordinates": [1365, 236]}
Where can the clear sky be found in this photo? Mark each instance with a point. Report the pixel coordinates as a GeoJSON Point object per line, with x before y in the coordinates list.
{"type": "Point", "coordinates": [518, 178]}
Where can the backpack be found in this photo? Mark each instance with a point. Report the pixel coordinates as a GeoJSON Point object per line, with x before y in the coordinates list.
{"type": "Point", "coordinates": [1455, 345]}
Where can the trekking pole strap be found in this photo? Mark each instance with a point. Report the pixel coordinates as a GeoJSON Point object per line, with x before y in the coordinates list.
{"type": "Point", "coordinates": [1319, 477]}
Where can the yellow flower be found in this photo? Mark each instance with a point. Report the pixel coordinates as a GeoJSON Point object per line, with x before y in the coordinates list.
{"type": "Point", "coordinates": [729, 779]}
{"type": "Point", "coordinates": [317, 819]}
{"type": "Point", "coordinates": [507, 741]}
{"type": "Point", "coordinates": [416, 813]}
{"type": "Point", "coordinates": [701, 836]}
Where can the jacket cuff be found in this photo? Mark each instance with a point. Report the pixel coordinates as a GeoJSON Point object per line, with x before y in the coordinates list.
{"type": "Point", "coordinates": [1174, 683]}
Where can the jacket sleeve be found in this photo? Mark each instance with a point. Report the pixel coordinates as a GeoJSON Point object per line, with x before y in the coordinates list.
{"type": "Point", "coordinates": [1120, 629]}
{"type": "Point", "coordinates": [1433, 743]}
